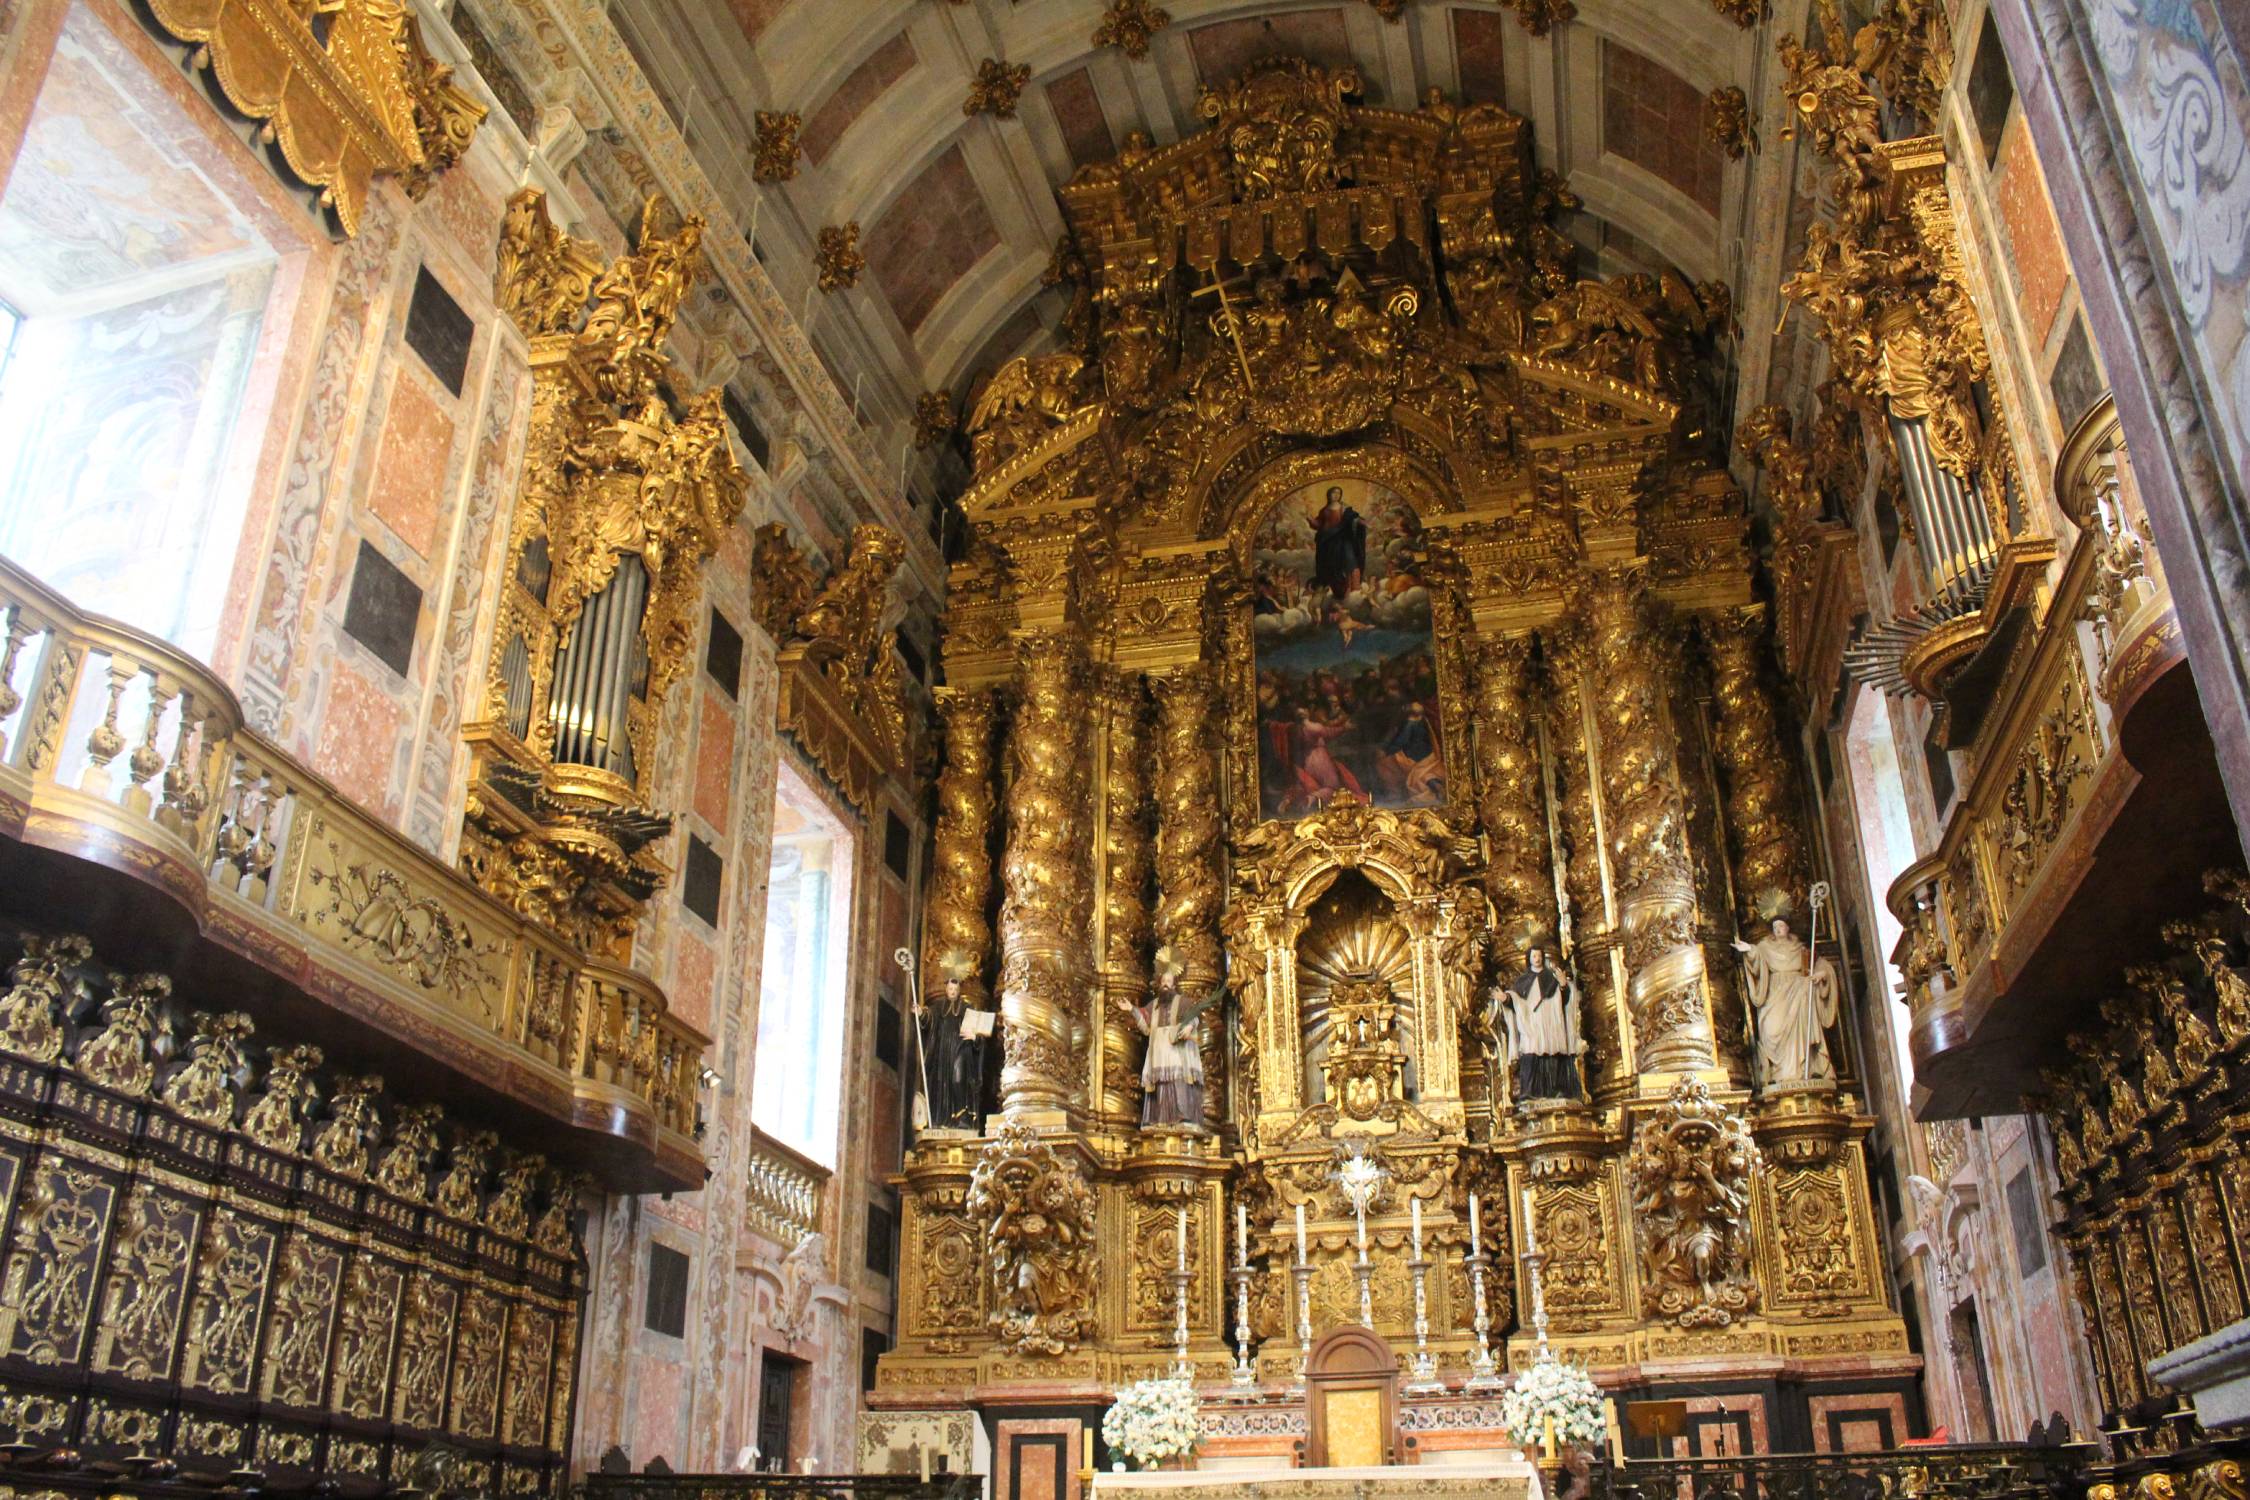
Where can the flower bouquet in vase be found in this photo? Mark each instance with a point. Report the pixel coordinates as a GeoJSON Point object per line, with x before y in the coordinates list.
{"type": "Point", "coordinates": [1154, 1424]}
{"type": "Point", "coordinates": [1554, 1409]}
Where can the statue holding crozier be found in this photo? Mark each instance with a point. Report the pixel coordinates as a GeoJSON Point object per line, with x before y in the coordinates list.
{"type": "Point", "coordinates": [1172, 1072]}
{"type": "Point", "coordinates": [954, 1034]}
{"type": "Point", "coordinates": [1535, 1018]}
{"type": "Point", "coordinates": [1792, 1001]}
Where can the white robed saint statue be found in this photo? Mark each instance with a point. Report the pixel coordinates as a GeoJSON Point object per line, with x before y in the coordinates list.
{"type": "Point", "coordinates": [1793, 996]}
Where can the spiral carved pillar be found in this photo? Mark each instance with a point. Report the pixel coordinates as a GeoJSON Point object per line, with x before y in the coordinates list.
{"type": "Point", "coordinates": [1126, 868]}
{"type": "Point", "coordinates": [1645, 833]}
{"type": "Point", "coordinates": [1761, 807]}
{"type": "Point", "coordinates": [954, 928]}
{"type": "Point", "coordinates": [1593, 933]}
{"type": "Point", "coordinates": [1044, 876]}
{"type": "Point", "coordinates": [1511, 801]}
{"type": "Point", "coordinates": [1189, 895]}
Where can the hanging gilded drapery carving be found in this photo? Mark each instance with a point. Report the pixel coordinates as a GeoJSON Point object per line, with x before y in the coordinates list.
{"type": "Point", "coordinates": [363, 98]}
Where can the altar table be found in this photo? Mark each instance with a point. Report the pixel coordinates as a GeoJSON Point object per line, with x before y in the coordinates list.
{"type": "Point", "coordinates": [1501, 1479]}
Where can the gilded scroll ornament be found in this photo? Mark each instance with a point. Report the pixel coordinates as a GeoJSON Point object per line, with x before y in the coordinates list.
{"type": "Point", "coordinates": [342, 1144]}
{"type": "Point", "coordinates": [134, 1017]}
{"type": "Point", "coordinates": [1037, 1218]}
{"type": "Point", "coordinates": [277, 1120]}
{"type": "Point", "coordinates": [543, 276]}
{"type": "Point", "coordinates": [996, 88]}
{"type": "Point", "coordinates": [403, 1169]}
{"type": "Point", "coordinates": [204, 1087]}
{"type": "Point", "coordinates": [777, 149]}
{"type": "Point", "coordinates": [1729, 122]}
{"type": "Point", "coordinates": [1690, 1168]}
{"type": "Point", "coordinates": [1129, 26]}
{"type": "Point", "coordinates": [46, 989]}
{"type": "Point", "coordinates": [837, 257]}
{"type": "Point", "coordinates": [935, 419]}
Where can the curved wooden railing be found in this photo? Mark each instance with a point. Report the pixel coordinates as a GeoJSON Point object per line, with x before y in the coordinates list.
{"type": "Point", "coordinates": [118, 750]}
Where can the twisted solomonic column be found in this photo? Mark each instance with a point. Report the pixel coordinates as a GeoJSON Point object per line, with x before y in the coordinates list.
{"type": "Point", "coordinates": [1761, 807]}
{"type": "Point", "coordinates": [1645, 831]}
{"type": "Point", "coordinates": [1044, 879]}
{"type": "Point", "coordinates": [955, 933]}
{"type": "Point", "coordinates": [1511, 799]}
{"type": "Point", "coordinates": [1127, 864]}
{"type": "Point", "coordinates": [1189, 891]}
{"type": "Point", "coordinates": [1593, 935]}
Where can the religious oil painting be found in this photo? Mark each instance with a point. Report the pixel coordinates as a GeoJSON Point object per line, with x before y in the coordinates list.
{"type": "Point", "coordinates": [1347, 682]}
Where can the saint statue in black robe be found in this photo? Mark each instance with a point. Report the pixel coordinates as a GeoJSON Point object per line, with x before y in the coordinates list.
{"type": "Point", "coordinates": [953, 1064]}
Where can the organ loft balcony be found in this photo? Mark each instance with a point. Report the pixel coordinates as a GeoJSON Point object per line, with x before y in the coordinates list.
{"type": "Point", "coordinates": [138, 809]}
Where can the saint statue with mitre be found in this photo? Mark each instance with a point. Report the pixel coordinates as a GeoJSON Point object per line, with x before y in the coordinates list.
{"type": "Point", "coordinates": [1172, 1073]}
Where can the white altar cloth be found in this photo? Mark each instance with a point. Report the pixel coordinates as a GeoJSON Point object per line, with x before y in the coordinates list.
{"type": "Point", "coordinates": [1487, 1479]}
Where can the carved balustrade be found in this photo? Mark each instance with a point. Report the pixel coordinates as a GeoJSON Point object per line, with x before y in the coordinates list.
{"type": "Point", "coordinates": [782, 1191]}
{"type": "Point", "coordinates": [1975, 1471]}
{"type": "Point", "coordinates": [122, 757]}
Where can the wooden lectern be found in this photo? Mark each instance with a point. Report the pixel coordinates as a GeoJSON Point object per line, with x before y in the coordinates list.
{"type": "Point", "coordinates": [1351, 1399]}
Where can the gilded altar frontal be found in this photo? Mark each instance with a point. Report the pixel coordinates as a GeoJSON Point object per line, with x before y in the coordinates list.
{"type": "Point", "coordinates": [1125, 749]}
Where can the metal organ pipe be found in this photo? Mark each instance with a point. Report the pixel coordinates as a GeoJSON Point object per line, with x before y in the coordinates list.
{"type": "Point", "coordinates": [593, 674]}
{"type": "Point", "coordinates": [1949, 515]}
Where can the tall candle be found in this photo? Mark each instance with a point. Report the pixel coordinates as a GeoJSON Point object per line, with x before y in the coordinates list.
{"type": "Point", "coordinates": [1417, 1206]}
{"type": "Point", "coordinates": [1300, 1234]}
{"type": "Point", "coordinates": [1241, 1235]}
{"type": "Point", "coordinates": [1183, 1238]}
{"type": "Point", "coordinates": [1476, 1228]}
{"type": "Point", "coordinates": [1530, 1228]}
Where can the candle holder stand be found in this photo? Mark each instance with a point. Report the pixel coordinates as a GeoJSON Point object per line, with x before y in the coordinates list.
{"type": "Point", "coordinates": [1245, 1374]}
{"type": "Point", "coordinates": [1484, 1373]}
{"type": "Point", "coordinates": [1303, 1273]}
{"type": "Point", "coordinates": [1423, 1371]}
{"type": "Point", "coordinates": [1365, 1271]}
{"type": "Point", "coordinates": [1182, 1366]}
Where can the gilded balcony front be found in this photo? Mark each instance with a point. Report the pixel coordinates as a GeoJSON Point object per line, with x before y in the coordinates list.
{"type": "Point", "coordinates": [134, 800]}
{"type": "Point", "coordinates": [2091, 751]}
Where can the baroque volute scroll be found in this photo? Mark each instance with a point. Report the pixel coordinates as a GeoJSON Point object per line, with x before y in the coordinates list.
{"type": "Point", "coordinates": [1691, 1167]}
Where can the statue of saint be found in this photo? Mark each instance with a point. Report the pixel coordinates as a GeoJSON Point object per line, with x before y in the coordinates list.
{"type": "Point", "coordinates": [1792, 995]}
{"type": "Point", "coordinates": [1172, 1073]}
{"type": "Point", "coordinates": [954, 1035]}
{"type": "Point", "coordinates": [1535, 1018]}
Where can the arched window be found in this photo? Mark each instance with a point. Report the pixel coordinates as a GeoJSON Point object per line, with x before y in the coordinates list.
{"type": "Point", "coordinates": [797, 1093]}
{"type": "Point", "coordinates": [147, 283]}
{"type": "Point", "coordinates": [1886, 846]}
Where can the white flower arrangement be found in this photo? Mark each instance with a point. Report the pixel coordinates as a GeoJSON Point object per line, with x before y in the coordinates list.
{"type": "Point", "coordinates": [1554, 1389]}
{"type": "Point", "coordinates": [1154, 1420]}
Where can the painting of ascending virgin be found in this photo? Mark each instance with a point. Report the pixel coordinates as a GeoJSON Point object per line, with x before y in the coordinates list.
{"type": "Point", "coordinates": [1347, 684]}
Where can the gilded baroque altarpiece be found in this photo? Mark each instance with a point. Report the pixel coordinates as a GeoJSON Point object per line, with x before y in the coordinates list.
{"type": "Point", "coordinates": [1357, 598]}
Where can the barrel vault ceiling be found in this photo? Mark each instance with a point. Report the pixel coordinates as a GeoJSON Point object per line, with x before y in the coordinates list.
{"type": "Point", "coordinates": [957, 213]}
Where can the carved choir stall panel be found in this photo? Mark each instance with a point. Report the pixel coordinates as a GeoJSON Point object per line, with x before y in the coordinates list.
{"type": "Point", "coordinates": [1368, 805]}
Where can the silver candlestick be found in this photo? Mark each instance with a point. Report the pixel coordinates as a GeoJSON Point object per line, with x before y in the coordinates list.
{"type": "Point", "coordinates": [1484, 1375]}
{"type": "Point", "coordinates": [1365, 1271]}
{"type": "Point", "coordinates": [1181, 1365]}
{"type": "Point", "coordinates": [1425, 1380]}
{"type": "Point", "coordinates": [1244, 1374]}
{"type": "Point", "coordinates": [1533, 1259]}
{"type": "Point", "coordinates": [1303, 1272]}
